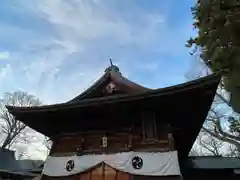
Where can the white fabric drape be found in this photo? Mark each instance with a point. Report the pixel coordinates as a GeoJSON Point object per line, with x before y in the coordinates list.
{"type": "Point", "coordinates": [154, 163]}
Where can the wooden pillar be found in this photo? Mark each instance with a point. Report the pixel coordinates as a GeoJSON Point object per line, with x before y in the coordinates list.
{"type": "Point", "coordinates": [149, 126]}
{"type": "Point", "coordinates": [171, 141]}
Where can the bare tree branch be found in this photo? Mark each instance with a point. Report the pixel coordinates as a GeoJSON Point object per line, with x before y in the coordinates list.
{"type": "Point", "coordinates": [11, 128]}
{"type": "Point", "coordinates": [195, 152]}
{"type": "Point", "coordinates": [222, 123]}
{"type": "Point", "coordinates": [226, 134]}
{"type": "Point", "coordinates": [210, 143]}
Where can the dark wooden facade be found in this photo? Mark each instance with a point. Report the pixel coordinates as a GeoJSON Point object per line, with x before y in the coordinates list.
{"type": "Point", "coordinates": [117, 115]}
{"type": "Point", "coordinates": [145, 135]}
{"type": "Point", "coordinates": [135, 137]}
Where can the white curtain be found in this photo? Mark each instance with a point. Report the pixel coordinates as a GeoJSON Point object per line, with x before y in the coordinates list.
{"type": "Point", "coordinates": [153, 163]}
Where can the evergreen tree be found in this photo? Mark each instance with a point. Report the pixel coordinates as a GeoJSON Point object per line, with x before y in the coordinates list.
{"type": "Point", "coordinates": [218, 40]}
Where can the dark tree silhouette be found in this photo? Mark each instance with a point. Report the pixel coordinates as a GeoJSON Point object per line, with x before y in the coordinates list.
{"type": "Point", "coordinates": [218, 41]}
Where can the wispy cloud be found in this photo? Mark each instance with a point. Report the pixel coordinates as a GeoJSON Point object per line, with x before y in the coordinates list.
{"type": "Point", "coordinates": [76, 30]}
{"type": "Point", "coordinates": [4, 55]}
{"type": "Point", "coordinates": [4, 73]}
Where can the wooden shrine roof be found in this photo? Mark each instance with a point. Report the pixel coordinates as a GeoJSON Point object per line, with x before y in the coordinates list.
{"type": "Point", "coordinates": [184, 106]}
{"type": "Point", "coordinates": [79, 101]}
{"type": "Point", "coordinates": [111, 75]}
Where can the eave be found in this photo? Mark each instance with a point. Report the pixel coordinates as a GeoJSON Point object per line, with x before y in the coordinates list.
{"type": "Point", "coordinates": [201, 82]}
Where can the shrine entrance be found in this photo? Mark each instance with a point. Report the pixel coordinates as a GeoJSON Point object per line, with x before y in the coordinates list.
{"type": "Point", "coordinates": [104, 172]}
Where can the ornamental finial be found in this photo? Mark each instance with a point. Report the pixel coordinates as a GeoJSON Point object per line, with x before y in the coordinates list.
{"type": "Point", "coordinates": [110, 59]}
{"type": "Point", "coordinates": [112, 67]}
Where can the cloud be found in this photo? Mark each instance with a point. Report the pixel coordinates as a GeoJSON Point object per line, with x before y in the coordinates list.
{"type": "Point", "coordinates": [5, 72]}
{"type": "Point", "coordinates": [4, 55]}
{"type": "Point", "coordinates": [75, 28]}
{"type": "Point", "coordinates": [78, 21]}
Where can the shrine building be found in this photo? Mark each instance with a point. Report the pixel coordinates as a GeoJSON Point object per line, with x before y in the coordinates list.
{"type": "Point", "coordinates": [120, 130]}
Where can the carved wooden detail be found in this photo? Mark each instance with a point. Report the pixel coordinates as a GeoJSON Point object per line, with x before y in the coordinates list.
{"type": "Point", "coordinates": [110, 88]}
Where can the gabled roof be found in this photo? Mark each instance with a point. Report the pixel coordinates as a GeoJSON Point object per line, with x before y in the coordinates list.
{"type": "Point", "coordinates": [112, 75]}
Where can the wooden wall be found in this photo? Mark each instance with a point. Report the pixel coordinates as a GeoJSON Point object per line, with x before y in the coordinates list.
{"type": "Point", "coordinates": [140, 133]}
{"type": "Point", "coordinates": [118, 140]}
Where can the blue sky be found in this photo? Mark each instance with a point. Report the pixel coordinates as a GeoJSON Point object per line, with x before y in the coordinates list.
{"type": "Point", "coordinates": [54, 49]}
